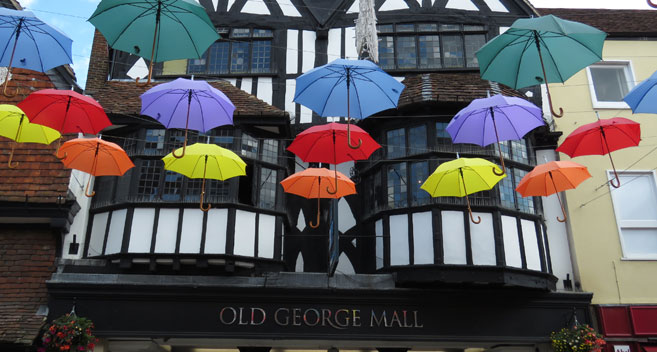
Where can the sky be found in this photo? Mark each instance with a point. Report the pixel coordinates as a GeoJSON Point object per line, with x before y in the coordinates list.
{"type": "Point", "coordinates": [70, 16]}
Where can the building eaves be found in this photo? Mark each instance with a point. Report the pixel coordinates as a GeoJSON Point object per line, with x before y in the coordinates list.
{"type": "Point", "coordinates": [617, 23]}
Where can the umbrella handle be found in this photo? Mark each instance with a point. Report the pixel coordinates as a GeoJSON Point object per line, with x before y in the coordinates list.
{"type": "Point", "coordinates": [86, 190]}
{"type": "Point", "coordinates": [360, 141]}
{"type": "Point", "coordinates": [467, 200]}
{"type": "Point", "coordinates": [547, 86]}
{"type": "Point", "coordinates": [328, 190]}
{"type": "Point", "coordinates": [499, 148]}
{"type": "Point", "coordinates": [150, 66]}
{"type": "Point", "coordinates": [173, 152]}
{"type": "Point", "coordinates": [59, 145]}
{"type": "Point", "coordinates": [4, 90]}
{"type": "Point", "coordinates": [205, 167]}
{"type": "Point", "coordinates": [563, 211]}
{"type": "Point", "coordinates": [652, 4]}
{"type": "Point", "coordinates": [148, 82]}
{"type": "Point", "coordinates": [316, 225]}
{"type": "Point", "coordinates": [611, 182]}
{"type": "Point", "coordinates": [11, 156]}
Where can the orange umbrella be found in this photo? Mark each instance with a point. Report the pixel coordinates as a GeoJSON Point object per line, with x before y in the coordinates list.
{"type": "Point", "coordinates": [551, 178]}
{"type": "Point", "coordinates": [308, 184]}
{"type": "Point", "coordinates": [95, 157]}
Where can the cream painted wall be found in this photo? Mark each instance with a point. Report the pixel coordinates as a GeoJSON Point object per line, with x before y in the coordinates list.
{"type": "Point", "coordinates": [175, 67]}
{"type": "Point", "coordinates": [591, 215]}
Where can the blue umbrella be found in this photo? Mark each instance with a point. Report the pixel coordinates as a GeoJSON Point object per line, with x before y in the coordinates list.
{"type": "Point", "coordinates": [351, 88]}
{"type": "Point", "coordinates": [494, 119]}
{"type": "Point", "coordinates": [36, 45]}
{"type": "Point", "coordinates": [643, 97]}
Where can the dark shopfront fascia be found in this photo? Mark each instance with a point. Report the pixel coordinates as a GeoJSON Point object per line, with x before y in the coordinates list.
{"type": "Point", "coordinates": [292, 310]}
{"type": "Point", "coordinates": [629, 328]}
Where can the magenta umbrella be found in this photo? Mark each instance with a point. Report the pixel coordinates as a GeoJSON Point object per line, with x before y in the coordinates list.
{"type": "Point", "coordinates": [187, 104]}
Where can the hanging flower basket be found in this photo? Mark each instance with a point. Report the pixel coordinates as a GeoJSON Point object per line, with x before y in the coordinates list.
{"type": "Point", "coordinates": [579, 338]}
{"type": "Point", "coordinates": [69, 333]}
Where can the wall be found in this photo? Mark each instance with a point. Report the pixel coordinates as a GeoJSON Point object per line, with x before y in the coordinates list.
{"type": "Point", "coordinates": [592, 218]}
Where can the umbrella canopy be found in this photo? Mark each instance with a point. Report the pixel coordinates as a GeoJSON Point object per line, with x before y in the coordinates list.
{"type": "Point", "coordinates": [494, 119]}
{"type": "Point", "coordinates": [540, 50]}
{"type": "Point", "coordinates": [553, 177]}
{"type": "Point", "coordinates": [36, 45]}
{"type": "Point", "coordinates": [15, 126]}
{"type": "Point", "coordinates": [643, 97]}
{"type": "Point", "coordinates": [309, 183]}
{"type": "Point", "coordinates": [206, 161]}
{"type": "Point", "coordinates": [161, 30]}
{"type": "Point", "coordinates": [187, 104]}
{"type": "Point", "coordinates": [351, 88]}
{"type": "Point", "coordinates": [65, 111]}
{"type": "Point", "coordinates": [602, 137]}
{"type": "Point", "coordinates": [95, 157]}
{"type": "Point", "coordinates": [463, 176]}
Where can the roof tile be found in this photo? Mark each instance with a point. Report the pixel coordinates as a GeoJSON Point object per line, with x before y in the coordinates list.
{"type": "Point", "coordinates": [614, 22]}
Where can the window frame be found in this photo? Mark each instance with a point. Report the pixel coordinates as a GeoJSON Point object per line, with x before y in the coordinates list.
{"type": "Point", "coordinates": [628, 70]}
{"type": "Point", "coordinates": [619, 224]}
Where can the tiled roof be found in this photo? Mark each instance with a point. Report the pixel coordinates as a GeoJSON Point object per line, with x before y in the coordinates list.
{"type": "Point", "coordinates": [450, 87]}
{"type": "Point", "coordinates": [614, 22]}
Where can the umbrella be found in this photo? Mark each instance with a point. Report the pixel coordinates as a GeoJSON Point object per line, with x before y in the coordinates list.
{"type": "Point", "coordinates": [328, 144]}
{"type": "Point", "coordinates": [95, 157]}
{"type": "Point", "coordinates": [308, 184]}
{"type": "Point", "coordinates": [206, 161]}
{"type": "Point", "coordinates": [463, 176]}
{"type": "Point", "coordinates": [561, 47]}
{"type": "Point", "coordinates": [602, 137]}
{"type": "Point", "coordinates": [208, 106]}
{"type": "Point", "coordinates": [351, 88]}
{"type": "Point", "coordinates": [160, 29]}
{"type": "Point", "coordinates": [643, 97]}
{"type": "Point", "coordinates": [494, 119]}
{"type": "Point", "coordinates": [36, 45]}
{"type": "Point", "coordinates": [15, 125]}
{"type": "Point", "coordinates": [553, 177]}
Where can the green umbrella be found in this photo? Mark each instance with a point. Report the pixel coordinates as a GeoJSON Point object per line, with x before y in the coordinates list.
{"type": "Point", "coordinates": [540, 50]}
{"type": "Point", "coordinates": [160, 29]}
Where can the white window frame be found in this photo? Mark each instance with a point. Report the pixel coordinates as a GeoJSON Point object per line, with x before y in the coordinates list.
{"type": "Point", "coordinates": [626, 65]}
{"type": "Point", "coordinates": [631, 223]}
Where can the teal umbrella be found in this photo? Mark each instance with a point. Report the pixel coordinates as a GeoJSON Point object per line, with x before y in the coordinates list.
{"type": "Point", "coordinates": [540, 50]}
{"type": "Point", "coordinates": [160, 29]}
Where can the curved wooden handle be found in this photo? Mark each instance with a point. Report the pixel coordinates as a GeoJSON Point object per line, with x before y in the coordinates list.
{"type": "Point", "coordinates": [360, 141]}
{"type": "Point", "coordinates": [328, 190]}
{"type": "Point", "coordinates": [86, 190]}
{"type": "Point", "coordinates": [316, 225]}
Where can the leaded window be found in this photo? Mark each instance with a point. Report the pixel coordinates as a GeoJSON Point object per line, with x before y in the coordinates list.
{"type": "Point", "coordinates": [268, 185]}
{"type": "Point", "coordinates": [396, 143]}
{"type": "Point", "coordinates": [397, 186]}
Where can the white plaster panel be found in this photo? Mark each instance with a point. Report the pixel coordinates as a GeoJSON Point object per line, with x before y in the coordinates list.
{"type": "Point", "coordinates": [141, 232]}
{"type": "Point", "coordinates": [378, 231]}
{"type": "Point", "coordinates": [244, 233]}
{"type": "Point", "coordinates": [308, 58]}
{"type": "Point", "coordinates": [531, 245]}
{"type": "Point", "coordinates": [461, 5]}
{"type": "Point", "coordinates": [344, 265]}
{"type": "Point", "coordinates": [266, 227]}
{"type": "Point", "coordinates": [80, 220]}
{"type": "Point", "coordinates": [256, 8]}
{"type": "Point", "coordinates": [355, 7]}
{"type": "Point", "coordinates": [350, 49]}
{"type": "Point", "coordinates": [453, 237]}
{"type": "Point", "coordinates": [292, 55]}
{"type": "Point", "coordinates": [482, 238]}
{"type": "Point", "coordinates": [391, 5]}
{"type": "Point", "coordinates": [192, 231]}
{"type": "Point", "coordinates": [306, 115]}
{"type": "Point", "coordinates": [232, 81]}
{"type": "Point", "coordinates": [230, 4]}
{"type": "Point", "coordinates": [399, 250]}
{"type": "Point", "coordinates": [503, 29]}
{"type": "Point", "coordinates": [115, 236]}
{"type": "Point", "coordinates": [423, 238]}
{"type": "Point", "coordinates": [97, 234]}
{"type": "Point", "coordinates": [290, 105]}
{"type": "Point", "coordinates": [496, 6]}
{"type": "Point", "coordinates": [215, 233]}
{"type": "Point", "coordinates": [511, 242]}
{"type": "Point", "coordinates": [215, 3]}
{"type": "Point", "coordinates": [167, 231]}
{"type": "Point", "coordinates": [334, 44]}
{"type": "Point", "coordinates": [247, 85]}
{"type": "Point", "coordinates": [265, 88]}
{"type": "Point", "coordinates": [288, 8]}
{"type": "Point", "coordinates": [346, 218]}
{"type": "Point", "coordinates": [299, 263]}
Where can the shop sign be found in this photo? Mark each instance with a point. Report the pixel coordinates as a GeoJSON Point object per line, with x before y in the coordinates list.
{"type": "Point", "coordinates": [621, 348]}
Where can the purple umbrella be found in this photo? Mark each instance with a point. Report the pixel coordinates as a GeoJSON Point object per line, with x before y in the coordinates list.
{"type": "Point", "coordinates": [494, 119]}
{"type": "Point", "coordinates": [173, 103]}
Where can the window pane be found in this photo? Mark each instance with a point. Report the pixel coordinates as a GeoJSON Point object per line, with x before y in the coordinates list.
{"type": "Point", "coordinates": [215, 190]}
{"type": "Point", "coordinates": [154, 143]}
{"type": "Point", "coordinates": [197, 65]}
{"type": "Point", "coordinates": [240, 33]}
{"type": "Point", "coordinates": [239, 62]}
{"type": "Point", "coordinates": [218, 57]}
{"type": "Point", "coordinates": [417, 139]}
{"type": "Point", "coordinates": [249, 146]}
{"type": "Point", "coordinates": [637, 198]}
{"type": "Point", "coordinates": [525, 204]}
{"type": "Point", "coordinates": [270, 151]}
{"type": "Point", "coordinates": [405, 28]}
{"type": "Point", "coordinates": [419, 174]}
{"type": "Point", "coordinates": [453, 50]}
{"type": "Point", "coordinates": [507, 192]}
{"type": "Point", "coordinates": [639, 242]}
{"type": "Point", "coordinates": [149, 179]}
{"type": "Point", "coordinates": [262, 33]}
{"type": "Point", "coordinates": [450, 27]}
{"type": "Point", "coordinates": [609, 83]}
{"type": "Point", "coordinates": [378, 191]}
{"type": "Point", "coordinates": [472, 43]}
{"type": "Point", "coordinates": [176, 138]}
{"type": "Point", "coordinates": [427, 27]}
{"type": "Point", "coordinates": [470, 27]}
{"type": "Point", "coordinates": [261, 56]}
{"type": "Point", "coordinates": [384, 28]}
{"type": "Point", "coordinates": [221, 137]}
{"type": "Point", "coordinates": [172, 186]}
{"type": "Point", "coordinates": [520, 151]}
{"type": "Point", "coordinates": [441, 131]}
{"type": "Point", "coordinates": [406, 54]}
{"type": "Point", "coordinates": [429, 51]}
{"type": "Point", "coordinates": [397, 186]}
{"type": "Point", "coordinates": [268, 186]}
{"type": "Point", "coordinates": [386, 52]}
{"type": "Point", "coordinates": [396, 143]}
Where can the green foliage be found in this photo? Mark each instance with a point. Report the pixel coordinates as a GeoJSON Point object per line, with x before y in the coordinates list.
{"type": "Point", "coordinates": [69, 333]}
{"type": "Point", "coordinates": [579, 338]}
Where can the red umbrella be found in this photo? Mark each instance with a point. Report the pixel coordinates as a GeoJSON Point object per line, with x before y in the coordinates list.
{"type": "Point", "coordinates": [328, 144]}
{"type": "Point", "coordinates": [602, 137]}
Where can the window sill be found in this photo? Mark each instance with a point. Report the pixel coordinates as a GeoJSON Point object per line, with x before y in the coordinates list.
{"type": "Point", "coordinates": [610, 105]}
{"type": "Point", "coordinates": [646, 259]}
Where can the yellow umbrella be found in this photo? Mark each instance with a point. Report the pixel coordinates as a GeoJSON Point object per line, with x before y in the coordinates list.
{"type": "Point", "coordinates": [463, 176]}
{"type": "Point", "coordinates": [15, 126]}
{"type": "Point", "coordinates": [203, 160]}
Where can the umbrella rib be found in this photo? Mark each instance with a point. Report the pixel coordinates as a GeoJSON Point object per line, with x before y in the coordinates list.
{"type": "Point", "coordinates": [182, 96]}
{"type": "Point", "coordinates": [13, 35]}
{"type": "Point", "coordinates": [521, 56]}
{"type": "Point", "coordinates": [125, 28]}
{"type": "Point", "coordinates": [365, 78]}
{"type": "Point", "coordinates": [513, 42]}
{"type": "Point", "coordinates": [338, 81]}
{"type": "Point", "coordinates": [43, 31]}
{"type": "Point", "coordinates": [326, 75]}
{"type": "Point", "coordinates": [220, 101]}
{"type": "Point", "coordinates": [184, 27]}
{"type": "Point", "coordinates": [512, 125]}
{"type": "Point", "coordinates": [551, 58]}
